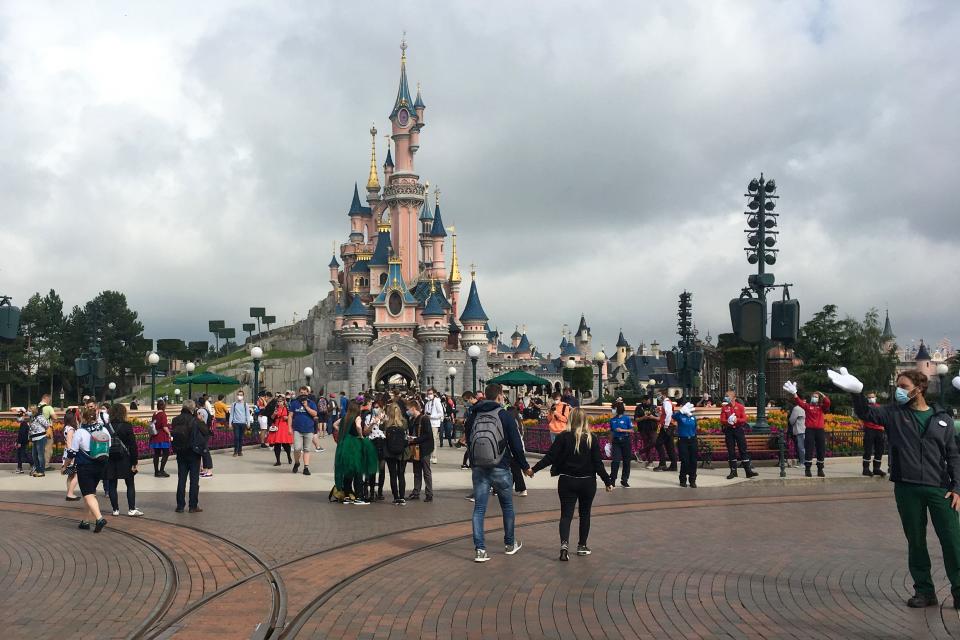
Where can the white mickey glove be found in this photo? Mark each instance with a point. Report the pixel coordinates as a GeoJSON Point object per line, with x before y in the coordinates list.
{"type": "Point", "coordinates": [844, 380]}
{"type": "Point", "coordinates": [732, 420]}
{"type": "Point", "coordinates": [790, 387]}
{"type": "Point", "coordinates": [687, 409]}
{"type": "Point", "coordinates": [956, 383]}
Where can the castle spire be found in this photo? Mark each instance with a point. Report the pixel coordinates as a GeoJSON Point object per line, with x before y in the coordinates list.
{"type": "Point", "coordinates": [403, 91]}
{"type": "Point", "coordinates": [454, 261]}
{"type": "Point", "coordinates": [373, 182]}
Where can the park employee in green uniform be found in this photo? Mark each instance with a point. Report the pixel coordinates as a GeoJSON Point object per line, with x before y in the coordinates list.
{"type": "Point", "coordinates": [925, 469]}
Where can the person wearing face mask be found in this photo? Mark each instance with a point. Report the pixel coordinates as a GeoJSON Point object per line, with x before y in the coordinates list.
{"type": "Point", "coordinates": [814, 438]}
{"type": "Point", "coordinates": [433, 409]}
{"type": "Point", "coordinates": [873, 443]}
{"type": "Point", "coordinates": [733, 417]}
{"type": "Point", "coordinates": [240, 419]}
{"type": "Point", "coordinates": [925, 469]}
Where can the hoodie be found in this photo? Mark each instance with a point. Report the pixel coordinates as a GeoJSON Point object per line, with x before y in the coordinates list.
{"type": "Point", "coordinates": [514, 450]}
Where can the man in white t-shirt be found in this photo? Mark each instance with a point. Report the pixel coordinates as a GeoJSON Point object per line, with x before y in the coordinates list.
{"type": "Point", "coordinates": [433, 409]}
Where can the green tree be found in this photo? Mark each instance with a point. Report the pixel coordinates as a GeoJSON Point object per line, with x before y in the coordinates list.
{"type": "Point", "coordinates": [874, 364]}
{"type": "Point", "coordinates": [825, 341]}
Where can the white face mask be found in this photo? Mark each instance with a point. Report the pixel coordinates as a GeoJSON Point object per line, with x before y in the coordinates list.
{"type": "Point", "coordinates": [239, 398]}
{"type": "Point", "coordinates": [814, 399]}
{"type": "Point", "coordinates": [872, 400]}
{"type": "Point", "coordinates": [429, 396]}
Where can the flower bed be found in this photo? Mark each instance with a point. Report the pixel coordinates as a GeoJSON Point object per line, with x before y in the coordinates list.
{"type": "Point", "coordinates": [220, 438]}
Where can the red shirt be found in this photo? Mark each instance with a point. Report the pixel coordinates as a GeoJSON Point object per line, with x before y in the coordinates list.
{"type": "Point", "coordinates": [160, 420]}
{"type": "Point", "coordinates": [736, 409]}
{"type": "Point", "coordinates": [815, 412]}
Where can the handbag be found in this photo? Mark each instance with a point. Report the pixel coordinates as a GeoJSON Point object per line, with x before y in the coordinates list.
{"type": "Point", "coordinates": [152, 428]}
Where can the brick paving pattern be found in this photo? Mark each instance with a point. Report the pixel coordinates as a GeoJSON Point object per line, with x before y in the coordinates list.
{"type": "Point", "coordinates": [824, 560]}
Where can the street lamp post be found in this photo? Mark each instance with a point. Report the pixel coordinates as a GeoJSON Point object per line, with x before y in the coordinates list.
{"type": "Point", "coordinates": [176, 396]}
{"type": "Point", "coordinates": [153, 359]}
{"type": "Point", "coordinates": [452, 372]}
{"type": "Point", "coordinates": [257, 354]}
{"type": "Point", "coordinates": [599, 359]}
{"type": "Point", "coordinates": [474, 353]}
{"type": "Point", "coordinates": [942, 371]}
{"type": "Point", "coordinates": [651, 383]}
{"type": "Point", "coordinates": [113, 387]}
{"type": "Point", "coordinates": [308, 373]}
{"type": "Point", "coordinates": [191, 367]}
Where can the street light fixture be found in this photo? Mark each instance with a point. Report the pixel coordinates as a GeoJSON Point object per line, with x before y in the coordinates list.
{"type": "Point", "coordinates": [257, 354]}
{"type": "Point", "coordinates": [176, 395]}
{"type": "Point", "coordinates": [474, 353]}
{"type": "Point", "coordinates": [308, 373]}
{"type": "Point", "coordinates": [942, 371]}
{"type": "Point", "coordinates": [152, 360]}
{"type": "Point", "coordinates": [191, 367]}
{"type": "Point", "coordinates": [599, 359]}
{"type": "Point", "coordinates": [452, 372]}
{"type": "Point", "coordinates": [113, 387]}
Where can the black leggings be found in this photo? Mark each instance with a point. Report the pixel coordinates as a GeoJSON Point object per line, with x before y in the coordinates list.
{"type": "Point", "coordinates": [519, 484]}
{"type": "Point", "coordinates": [376, 481]}
{"type": "Point", "coordinates": [286, 449]}
{"type": "Point", "coordinates": [814, 439]}
{"type": "Point", "coordinates": [160, 459]}
{"type": "Point", "coordinates": [398, 481]}
{"type": "Point", "coordinates": [571, 491]}
{"type": "Point", "coordinates": [112, 485]}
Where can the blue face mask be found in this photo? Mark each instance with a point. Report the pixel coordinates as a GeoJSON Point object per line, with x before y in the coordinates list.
{"type": "Point", "coordinates": [901, 396]}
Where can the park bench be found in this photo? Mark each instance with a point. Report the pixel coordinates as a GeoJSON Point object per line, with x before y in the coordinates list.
{"type": "Point", "coordinates": [760, 446]}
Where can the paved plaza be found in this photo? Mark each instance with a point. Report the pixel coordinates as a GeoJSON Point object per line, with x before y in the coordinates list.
{"type": "Point", "coordinates": [270, 558]}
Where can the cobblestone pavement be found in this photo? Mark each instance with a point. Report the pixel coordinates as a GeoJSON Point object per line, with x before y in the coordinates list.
{"type": "Point", "coordinates": [753, 560]}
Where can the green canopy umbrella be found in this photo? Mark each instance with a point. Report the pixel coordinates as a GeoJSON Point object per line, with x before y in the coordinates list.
{"type": "Point", "coordinates": [206, 378]}
{"type": "Point", "coordinates": [519, 378]}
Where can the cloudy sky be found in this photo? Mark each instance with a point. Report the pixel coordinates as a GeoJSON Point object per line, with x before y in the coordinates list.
{"type": "Point", "coordinates": [593, 156]}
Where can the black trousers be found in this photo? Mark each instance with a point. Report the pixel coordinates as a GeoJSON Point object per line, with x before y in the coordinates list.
{"type": "Point", "coordinates": [736, 441]}
{"type": "Point", "coordinates": [188, 468]}
{"type": "Point", "coordinates": [873, 442]}
{"type": "Point", "coordinates": [815, 439]}
{"type": "Point", "coordinates": [112, 485]}
{"type": "Point", "coordinates": [665, 448]}
{"type": "Point", "coordinates": [621, 452]}
{"type": "Point", "coordinates": [688, 458]}
{"type": "Point", "coordinates": [398, 481]}
{"type": "Point", "coordinates": [375, 482]}
{"type": "Point", "coordinates": [647, 445]}
{"type": "Point", "coordinates": [572, 491]}
{"type": "Point", "coordinates": [519, 483]}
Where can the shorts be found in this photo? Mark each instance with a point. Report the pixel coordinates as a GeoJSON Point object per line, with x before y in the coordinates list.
{"type": "Point", "coordinates": [263, 422]}
{"type": "Point", "coordinates": [88, 477]}
{"type": "Point", "coordinates": [302, 441]}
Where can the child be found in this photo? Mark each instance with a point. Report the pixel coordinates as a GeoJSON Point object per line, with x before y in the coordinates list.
{"type": "Point", "coordinates": [23, 439]}
{"type": "Point", "coordinates": [687, 445]}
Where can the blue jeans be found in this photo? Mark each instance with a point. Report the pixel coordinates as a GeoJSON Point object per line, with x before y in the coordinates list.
{"type": "Point", "coordinates": [502, 481]}
{"type": "Point", "coordinates": [801, 450]}
{"type": "Point", "coordinates": [238, 429]}
{"type": "Point", "coordinates": [38, 448]}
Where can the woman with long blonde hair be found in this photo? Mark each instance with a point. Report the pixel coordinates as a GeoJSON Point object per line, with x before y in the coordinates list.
{"type": "Point", "coordinates": [575, 457]}
{"type": "Point", "coordinates": [395, 451]}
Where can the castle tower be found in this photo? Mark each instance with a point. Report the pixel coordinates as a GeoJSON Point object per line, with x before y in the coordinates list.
{"type": "Point", "coordinates": [379, 262]}
{"type": "Point", "coordinates": [887, 338]}
{"type": "Point", "coordinates": [438, 267]}
{"type": "Point", "coordinates": [474, 321]}
{"type": "Point", "coordinates": [453, 286]}
{"type": "Point", "coordinates": [426, 222]}
{"type": "Point", "coordinates": [334, 269]}
{"type": "Point", "coordinates": [395, 306]}
{"type": "Point", "coordinates": [404, 194]}
{"type": "Point", "coordinates": [623, 349]}
{"type": "Point", "coordinates": [357, 333]}
{"type": "Point", "coordinates": [583, 338]}
{"type": "Point", "coordinates": [515, 338]}
{"type": "Point", "coordinates": [433, 333]}
{"type": "Point", "coordinates": [356, 214]}
{"type": "Point", "coordinates": [373, 187]}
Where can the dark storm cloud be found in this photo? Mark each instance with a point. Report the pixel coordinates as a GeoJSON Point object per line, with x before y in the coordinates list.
{"type": "Point", "coordinates": [601, 146]}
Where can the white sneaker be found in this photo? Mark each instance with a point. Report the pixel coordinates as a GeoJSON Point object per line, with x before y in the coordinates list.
{"type": "Point", "coordinates": [116, 512]}
{"type": "Point", "coordinates": [134, 513]}
{"type": "Point", "coordinates": [481, 556]}
{"type": "Point", "coordinates": [522, 494]}
{"type": "Point", "coordinates": [512, 549]}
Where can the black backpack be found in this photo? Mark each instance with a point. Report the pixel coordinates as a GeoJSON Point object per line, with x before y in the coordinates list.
{"type": "Point", "coordinates": [396, 441]}
{"type": "Point", "coordinates": [118, 450]}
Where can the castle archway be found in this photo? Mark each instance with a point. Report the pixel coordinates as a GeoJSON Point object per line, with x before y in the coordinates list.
{"type": "Point", "coordinates": [394, 372]}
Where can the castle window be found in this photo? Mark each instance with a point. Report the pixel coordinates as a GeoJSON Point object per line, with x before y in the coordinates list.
{"type": "Point", "coordinates": [383, 279]}
{"type": "Point", "coordinates": [438, 355]}
{"type": "Point", "coordinates": [395, 303]}
{"type": "Point", "coordinates": [353, 360]}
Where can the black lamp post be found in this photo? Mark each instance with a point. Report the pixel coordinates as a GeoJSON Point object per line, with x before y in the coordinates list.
{"type": "Point", "coordinates": [257, 354]}
{"type": "Point", "coordinates": [153, 359]}
{"type": "Point", "coordinates": [599, 359]}
{"type": "Point", "coordinates": [308, 374]}
{"type": "Point", "coordinates": [452, 371]}
{"type": "Point", "coordinates": [113, 387]}
{"type": "Point", "coordinates": [474, 353]}
{"type": "Point", "coordinates": [942, 371]}
{"type": "Point", "coordinates": [191, 367]}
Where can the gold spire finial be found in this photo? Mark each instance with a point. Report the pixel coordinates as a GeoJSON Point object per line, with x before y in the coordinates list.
{"type": "Point", "coordinates": [433, 286]}
{"type": "Point", "coordinates": [373, 182]}
{"type": "Point", "coordinates": [454, 261]}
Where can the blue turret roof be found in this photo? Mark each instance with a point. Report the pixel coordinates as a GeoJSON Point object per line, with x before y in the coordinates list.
{"type": "Point", "coordinates": [360, 266]}
{"type": "Point", "coordinates": [622, 342]}
{"type": "Point", "coordinates": [337, 309]}
{"type": "Point", "coordinates": [333, 262]}
{"type": "Point", "coordinates": [492, 334]}
{"type": "Point", "coordinates": [356, 208]}
{"type": "Point", "coordinates": [583, 329]}
{"type": "Point", "coordinates": [418, 102]}
{"type": "Point", "coordinates": [568, 350]}
{"type": "Point", "coordinates": [389, 161]}
{"type": "Point", "coordinates": [403, 92]}
{"type": "Point", "coordinates": [425, 211]}
{"type": "Point", "coordinates": [524, 345]}
{"type": "Point", "coordinates": [473, 310]}
{"type": "Point", "coordinates": [516, 334]}
{"type": "Point", "coordinates": [922, 352]}
{"type": "Point", "coordinates": [395, 283]}
{"type": "Point", "coordinates": [356, 308]}
{"type": "Point", "coordinates": [381, 253]}
{"type": "Point", "coordinates": [563, 342]}
{"type": "Point", "coordinates": [435, 304]}
{"type": "Point", "coordinates": [438, 231]}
